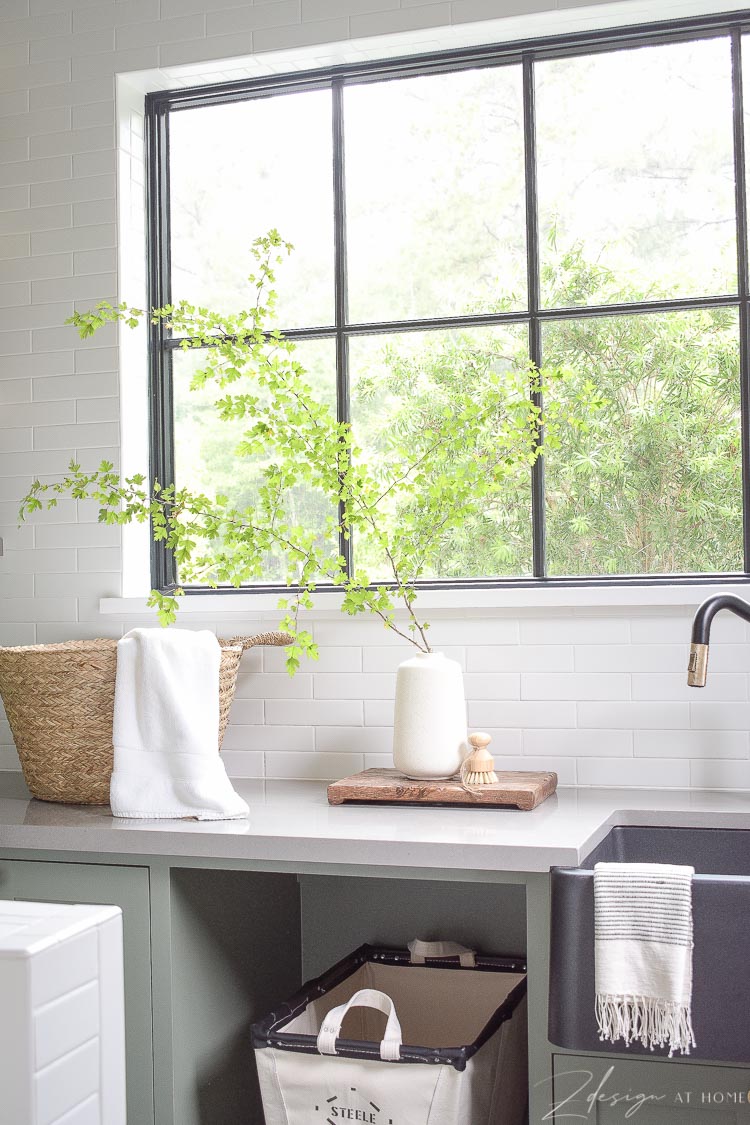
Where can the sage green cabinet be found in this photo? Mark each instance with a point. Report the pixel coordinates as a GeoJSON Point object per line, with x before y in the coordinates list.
{"type": "Point", "coordinates": [616, 1091]}
{"type": "Point", "coordinates": [128, 888]}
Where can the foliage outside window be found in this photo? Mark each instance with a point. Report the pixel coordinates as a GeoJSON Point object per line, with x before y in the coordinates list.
{"type": "Point", "coordinates": [551, 210]}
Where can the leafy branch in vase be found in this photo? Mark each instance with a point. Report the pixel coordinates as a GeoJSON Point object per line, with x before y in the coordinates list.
{"type": "Point", "coordinates": [436, 472]}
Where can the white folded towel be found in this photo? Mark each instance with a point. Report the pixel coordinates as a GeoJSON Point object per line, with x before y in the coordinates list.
{"type": "Point", "coordinates": [643, 921]}
{"type": "Point", "coordinates": [166, 729]}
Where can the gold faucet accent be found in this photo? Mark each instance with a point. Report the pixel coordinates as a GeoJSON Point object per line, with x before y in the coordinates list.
{"type": "Point", "coordinates": [697, 665]}
{"type": "Point", "coordinates": [698, 661]}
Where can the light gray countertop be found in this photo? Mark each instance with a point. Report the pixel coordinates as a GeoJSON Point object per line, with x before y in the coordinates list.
{"type": "Point", "coordinates": [291, 822]}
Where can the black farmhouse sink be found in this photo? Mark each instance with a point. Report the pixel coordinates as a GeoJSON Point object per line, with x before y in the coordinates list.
{"type": "Point", "coordinates": [721, 958]}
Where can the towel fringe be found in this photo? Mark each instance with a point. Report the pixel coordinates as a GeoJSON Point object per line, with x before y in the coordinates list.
{"type": "Point", "coordinates": [645, 1020]}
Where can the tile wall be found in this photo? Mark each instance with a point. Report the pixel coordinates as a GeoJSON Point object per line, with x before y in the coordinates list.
{"type": "Point", "coordinates": [597, 695]}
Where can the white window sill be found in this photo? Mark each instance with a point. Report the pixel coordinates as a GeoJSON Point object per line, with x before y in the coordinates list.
{"type": "Point", "coordinates": [499, 601]}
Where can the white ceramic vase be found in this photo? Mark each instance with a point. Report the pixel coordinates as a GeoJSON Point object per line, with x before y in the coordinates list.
{"type": "Point", "coordinates": [429, 724]}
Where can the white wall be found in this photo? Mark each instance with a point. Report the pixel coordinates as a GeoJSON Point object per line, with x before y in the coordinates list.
{"type": "Point", "coordinates": [597, 694]}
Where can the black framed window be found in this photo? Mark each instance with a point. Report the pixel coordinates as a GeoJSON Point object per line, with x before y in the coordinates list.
{"type": "Point", "coordinates": [579, 201]}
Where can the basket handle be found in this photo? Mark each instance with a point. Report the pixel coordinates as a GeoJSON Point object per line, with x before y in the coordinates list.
{"type": "Point", "coordinates": [390, 1047]}
{"type": "Point", "coordinates": [435, 950]}
{"type": "Point", "coordinates": [272, 638]}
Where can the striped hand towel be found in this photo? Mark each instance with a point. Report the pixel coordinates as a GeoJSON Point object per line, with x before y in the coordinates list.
{"type": "Point", "coordinates": [643, 929]}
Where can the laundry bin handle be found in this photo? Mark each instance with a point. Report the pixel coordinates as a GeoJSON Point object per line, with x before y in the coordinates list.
{"type": "Point", "coordinates": [422, 951]}
{"type": "Point", "coordinates": [390, 1047]}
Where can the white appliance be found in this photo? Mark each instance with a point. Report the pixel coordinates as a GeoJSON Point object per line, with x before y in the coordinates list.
{"type": "Point", "coordinates": [62, 1035]}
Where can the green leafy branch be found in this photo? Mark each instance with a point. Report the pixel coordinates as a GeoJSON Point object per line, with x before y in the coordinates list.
{"type": "Point", "coordinates": [400, 502]}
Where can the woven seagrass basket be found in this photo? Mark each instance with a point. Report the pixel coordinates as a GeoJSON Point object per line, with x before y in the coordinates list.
{"type": "Point", "coordinates": [59, 700]}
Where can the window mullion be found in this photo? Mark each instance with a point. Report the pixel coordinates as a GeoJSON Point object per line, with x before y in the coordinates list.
{"type": "Point", "coordinates": [535, 328]}
{"type": "Point", "coordinates": [161, 409]}
{"type": "Point", "coordinates": [742, 279]}
{"type": "Point", "coordinates": [340, 284]}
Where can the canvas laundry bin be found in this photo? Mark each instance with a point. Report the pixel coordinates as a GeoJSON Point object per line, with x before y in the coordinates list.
{"type": "Point", "coordinates": [430, 1035]}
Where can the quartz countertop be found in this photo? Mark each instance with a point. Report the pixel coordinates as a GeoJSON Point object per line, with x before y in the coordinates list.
{"type": "Point", "coordinates": [291, 823]}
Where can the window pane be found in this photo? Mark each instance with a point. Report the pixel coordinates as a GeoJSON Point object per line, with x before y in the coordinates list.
{"type": "Point", "coordinates": [205, 459]}
{"type": "Point", "coordinates": [636, 174]}
{"type": "Point", "coordinates": [654, 484]}
{"type": "Point", "coordinates": [435, 195]}
{"type": "Point", "coordinates": [238, 170]}
{"type": "Point", "coordinates": [402, 387]}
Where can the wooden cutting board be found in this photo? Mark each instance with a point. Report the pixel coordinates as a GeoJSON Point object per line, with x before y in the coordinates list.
{"type": "Point", "coordinates": [514, 789]}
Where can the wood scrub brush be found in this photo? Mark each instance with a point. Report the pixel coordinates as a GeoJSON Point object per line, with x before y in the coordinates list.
{"type": "Point", "coordinates": [478, 767]}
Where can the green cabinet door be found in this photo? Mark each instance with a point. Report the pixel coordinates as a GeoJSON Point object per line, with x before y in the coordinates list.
{"type": "Point", "coordinates": [617, 1091]}
{"type": "Point", "coordinates": [128, 888]}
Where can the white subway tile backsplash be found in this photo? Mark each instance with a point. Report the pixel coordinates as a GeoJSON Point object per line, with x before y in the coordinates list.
{"type": "Point", "coordinates": [35, 74]}
{"type": "Point", "coordinates": [35, 316]}
{"type": "Point", "coordinates": [72, 191]}
{"type": "Point", "coordinates": [71, 46]}
{"type": "Point", "coordinates": [82, 584]}
{"type": "Point", "coordinates": [33, 172]}
{"type": "Point", "coordinates": [301, 35]}
{"type": "Point", "coordinates": [575, 685]}
{"type": "Point", "coordinates": [36, 413]}
{"type": "Point", "coordinates": [96, 212]}
{"type": "Point", "coordinates": [80, 436]}
{"type": "Point", "coordinates": [720, 716]}
{"type": "Point", "coordinates": [632, 658]}
{"type": "Point", "coordinates": [662, 629]}
{"type": "Point", "coordinates": [565, 768]}
{"type": "Point", "coordinates": [353, 686]}
{"type": "Point", "coordinates": [505, 741]}
{"type": "Point", "coordinates": [36, 219]}
{"type": "Point", "coordinates": [73, 93]}
{"type": "Point", "coordinates": [574, 743]}
{"type": "Point", "coordinates": [14, 198]}
{"type": "Point", "coordinates": [520, 658]}
{"type": "Point", "coordinates": [469, 631]}
{"type": "Point", "coordinates": [514, 713]}
{"type": "Point", "coordinates": [388, 659]}
{"type": "Point", "coordinates": [329, 9]}
{"type": "Point", "coordinates": [177, 30]}
{"type": "Point", "coordinates": [315, 712]}
{"type": "Point", "coordinates": [691, 743]}
{"type": "Point", "coordinates": [15, 54]}
{"type": "Point", "coordinates": [77, 387]}
{"type": "Point", "coordinates": [14, 390]}
{"type": "Point", "coordinates": [639, 772]}
{"type": "Point", "coordinates": [379, 23]}
{"type": "Point", "coordinates": [378, 712]}
{"type": "Point", "coordinates": [243, 763]}
{"type": "Point", "coordinates": [81, 238]}
{"type": "Point", "coordinates": [598, 695]}
{"type": "Point", "coordinates": [55, 144]}
{"type": "Point", "coordinates": [571, 630]}
{"type": "Point", "coordinates": [232, 20]}
{"type": "Point", "coordinates": [92, 559]}
{"type": "Point", "coordinates": [373, 761]}
{"type": "Point", "coordinates": [38, 561]}
{"type": "Point", "coordinates": [36, 28]}
{"type": "Point", "coordinates": [674, 685]}
{"type": "Point", "coordinates": [714, 774]}
{"type": "Point", "coordinates": [13, 246]}
{"type": "Point", "coordinates": [263, 737]}
{"type": "Point", "coordinates": [16, 149]}
{"type": "Point", "coordinates": [633, 716]}
{"type": "Point", "coordinates": [278, 685]}
{"type": "Point", "coordinates": [77, 535]}
{"type": "Point", "coordinates": [354, 740]}
{"type": "Point", "coordinates": [318, 766]}
{"type": "Point", "coordinates": [331, 659]}
{"type": "Point", "coordinates": [493, 685]}
{"type": "Point", "coordinates": [15, 441]}
{"type": "Point", "coordinates": [37, 609]}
